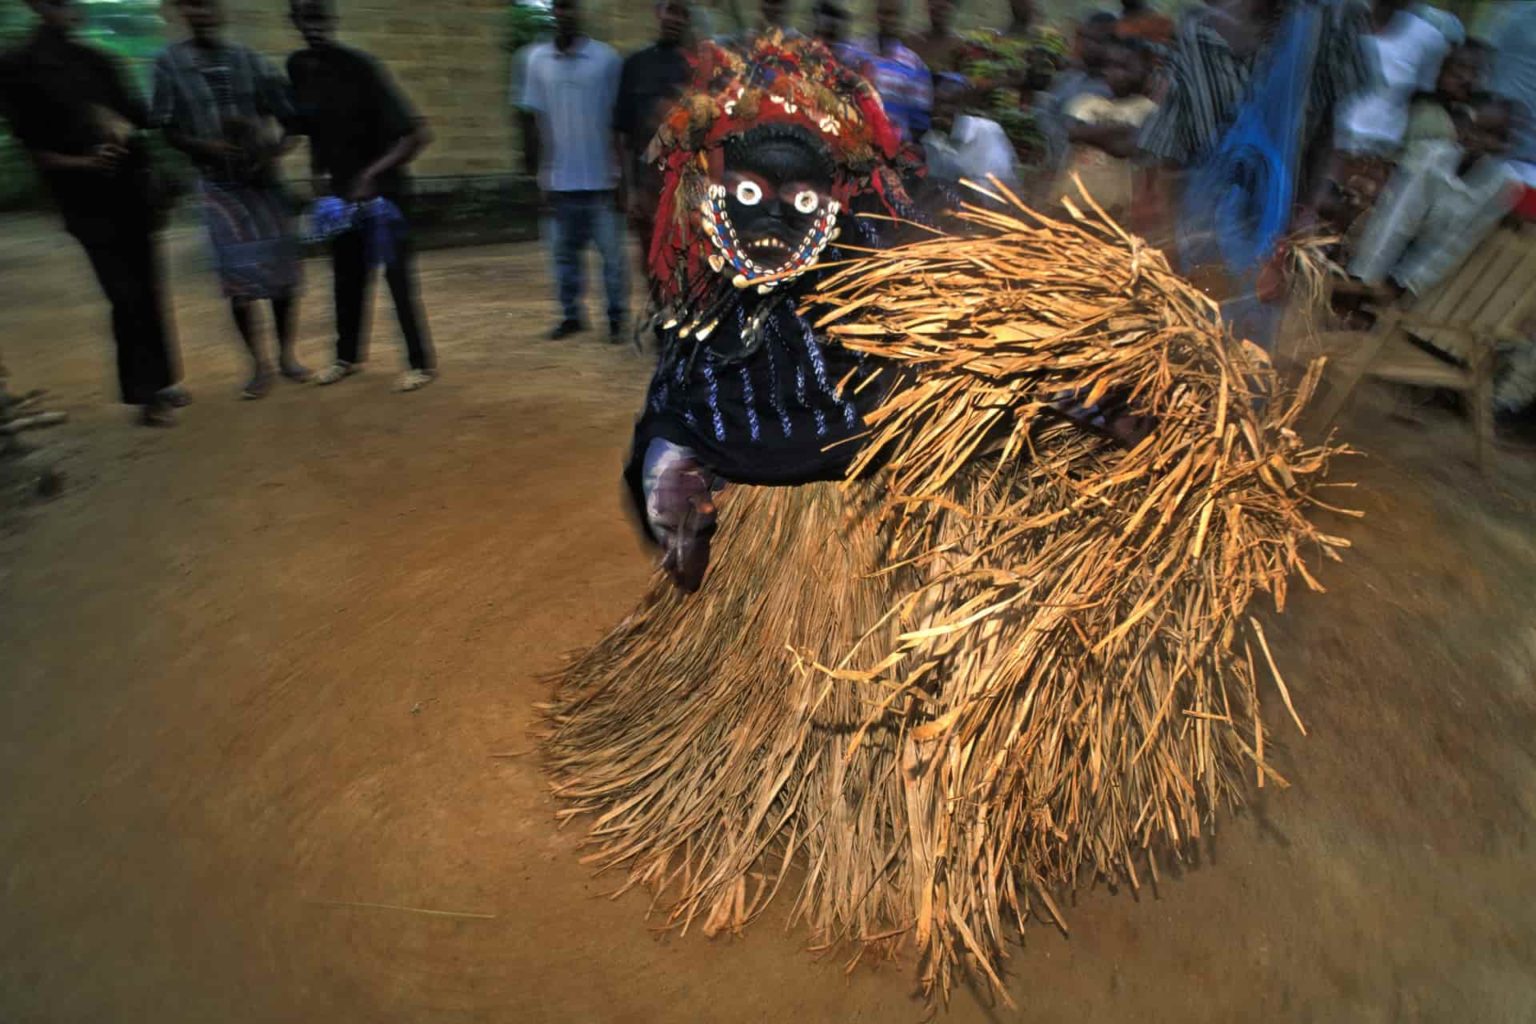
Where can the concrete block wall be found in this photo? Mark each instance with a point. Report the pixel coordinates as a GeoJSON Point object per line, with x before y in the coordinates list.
{"type": "Point", "coordinates": [445, 54]}
{"type": "Point", "coordinates": [448, 57]}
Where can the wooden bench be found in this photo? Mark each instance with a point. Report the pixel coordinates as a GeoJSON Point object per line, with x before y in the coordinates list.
{"type": "Point", "coordinates": [1446, 338]}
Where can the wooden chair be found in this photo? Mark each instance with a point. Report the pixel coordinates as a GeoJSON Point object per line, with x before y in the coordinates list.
{"type": "Point", "coordinates": [1446, 338]}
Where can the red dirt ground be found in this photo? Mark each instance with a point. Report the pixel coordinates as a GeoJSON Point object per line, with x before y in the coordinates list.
{"type": "Point", "coordinates": [258, 667]}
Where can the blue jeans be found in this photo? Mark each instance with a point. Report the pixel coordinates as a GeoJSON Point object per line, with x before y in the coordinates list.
{"type": "Point", "coordinates": [579, 218]}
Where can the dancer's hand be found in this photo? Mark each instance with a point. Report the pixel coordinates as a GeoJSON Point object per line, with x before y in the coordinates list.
{"type": "Point", "coordinates": [682, 515]}
{"type": "Point", "coordinates": [687, 557]}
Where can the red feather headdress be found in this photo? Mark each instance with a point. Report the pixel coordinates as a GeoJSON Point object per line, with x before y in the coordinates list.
{"type": "Point", "coordinates": [775, 81]}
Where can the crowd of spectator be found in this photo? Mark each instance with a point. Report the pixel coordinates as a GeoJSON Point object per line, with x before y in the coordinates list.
{"type": "Point", "coordinates": [1402, 134]}
{"type": "Point", "coordinates": [1405, 124]}
{"type": "Point", "coordinates": [234, 115]}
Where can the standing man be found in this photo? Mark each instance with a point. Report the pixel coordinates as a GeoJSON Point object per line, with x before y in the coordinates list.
{"type": "Point", "coordinates": [964, 146]}
{"type": "Point", "coordinates": [573, 84]}
{"type": "Point", "coordinates": [362, 135]}
{"type": "Point", "coordinates": [1225, 59]}
{"type": "Point", "coordinates": [217, 102]}
{"type": "Point", "coordinates": [70, 107]}
{"type": "Point", "coordinates": [1091, 46]}
{"type": "Point", "coordinates": [829, 23]}
{"type": "Point", "coordinates": [1215, 51]}
{"type": "Point", "coordinates": [830, 27]}
{"type": "Point", "coordinates": [774, 14]}
{"type": "Point", "coordinates": [1406, 52]}
{"type": "Point", "coordinates": [651, 81]}
{"type": "Point", "coordinates": [1010, 68]}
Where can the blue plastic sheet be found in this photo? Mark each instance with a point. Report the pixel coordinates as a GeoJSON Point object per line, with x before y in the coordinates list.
{"type": "Point", "coordinates": [1238, 202]}
{"type": "Point", "coordinates": [379, 219]}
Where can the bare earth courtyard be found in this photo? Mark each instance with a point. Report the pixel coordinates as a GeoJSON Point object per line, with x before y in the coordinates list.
{"type": "Point", "coordinates": [267, 682]}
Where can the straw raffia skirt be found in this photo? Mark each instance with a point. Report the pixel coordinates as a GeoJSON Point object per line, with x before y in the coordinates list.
{"type": "Point", "coordinates": [1009, 658]}
{"type": "Point", "coordinates": [747, 740]}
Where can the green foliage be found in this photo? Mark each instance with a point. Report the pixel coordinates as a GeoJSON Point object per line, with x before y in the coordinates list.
{"type": "Point", "coordinates": [524, 23]}
{"type": "Point", "coordinates": [1001, 70]}
{"type": "Point", "coordinates": [15, 22]}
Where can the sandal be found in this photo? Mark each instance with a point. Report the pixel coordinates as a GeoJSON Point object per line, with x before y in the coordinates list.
{"type": "Point", "coordinates": [175, 396]}
{"type": "Point", "coordinates": [338, 370]}
{"type": "Point", "coordinates": [414, 380]}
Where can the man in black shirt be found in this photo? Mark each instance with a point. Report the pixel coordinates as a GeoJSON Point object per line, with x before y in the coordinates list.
{"type": "Point", "coordinates": [69, 106]}
{"type": "Point", "coordinates": [651, 80]}
{"type": "Point", "coordinates": [362, 134]}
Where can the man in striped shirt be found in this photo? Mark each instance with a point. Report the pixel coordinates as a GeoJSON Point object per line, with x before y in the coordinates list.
{"type": "Point", "coordinates": [1214, 55]}
{"type": "Point", "coordinates": [1225, 55]}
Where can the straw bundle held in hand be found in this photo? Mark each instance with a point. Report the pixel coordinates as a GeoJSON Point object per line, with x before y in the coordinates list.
{"type": "Point", "coordinates": [1007, 657]}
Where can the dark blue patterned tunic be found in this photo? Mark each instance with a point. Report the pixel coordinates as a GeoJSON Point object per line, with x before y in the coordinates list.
{"type": "Point", "coordinates": [788, 410]}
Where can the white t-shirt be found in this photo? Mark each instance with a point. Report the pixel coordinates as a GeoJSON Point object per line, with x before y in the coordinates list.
{"type": "Point", "coordinates": [573, 92]}
{"type": "Point", "coordinates": [974, 148]}
{"type": "Point", "coordinates": [1407, 54]}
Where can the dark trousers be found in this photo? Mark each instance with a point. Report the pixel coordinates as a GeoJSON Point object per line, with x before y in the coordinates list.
{"type": "Point", "coordinates": [576, 219]}
{"type": "Point", "coordinates": [121, 246]}
{"type": "Point", "coordinates": [354, 280]}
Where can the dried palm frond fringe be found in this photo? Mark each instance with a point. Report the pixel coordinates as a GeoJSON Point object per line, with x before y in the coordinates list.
{"type": "Point", "coordinates": [1312, 273]}
{"type": "Point", "coordinates": [1312, 268]}
{"type": "Point", "coordinates": [1007, 657]}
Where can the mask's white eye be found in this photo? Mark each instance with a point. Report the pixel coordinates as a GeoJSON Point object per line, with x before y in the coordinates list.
{"type": "Point", "coordinates": [807, 201]}
{"type": "Point", "coordinates": [749, 193]}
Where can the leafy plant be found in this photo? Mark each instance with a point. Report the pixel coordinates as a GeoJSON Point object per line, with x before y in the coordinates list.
{"type": "Point", "coordinates": [526, 22]}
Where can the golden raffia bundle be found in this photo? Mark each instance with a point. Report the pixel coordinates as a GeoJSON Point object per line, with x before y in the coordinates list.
{"type": "Point", "coordinates": [1006, 658]}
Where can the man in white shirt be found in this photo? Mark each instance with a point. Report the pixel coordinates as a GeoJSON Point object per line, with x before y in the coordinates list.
{"type": "Point", "coordinates": [1445, 22]}
{"type": "Point", "coordinates": [963, 145]}
{"type": "Point", "coordinates": [572, 86]}
{"type": "Point", "coordinates": [1406, 51]}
